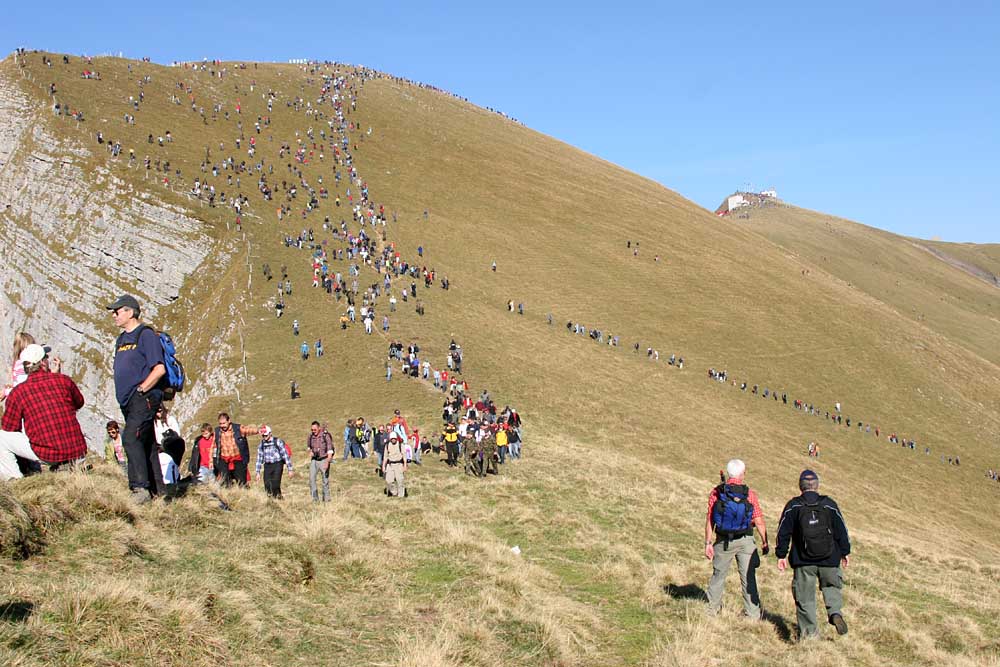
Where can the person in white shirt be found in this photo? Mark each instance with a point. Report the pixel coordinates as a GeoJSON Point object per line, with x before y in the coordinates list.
{"type": "Point", "coordinates": [167, 433]}
{"type": "Point", "coordinates": [169, 468]}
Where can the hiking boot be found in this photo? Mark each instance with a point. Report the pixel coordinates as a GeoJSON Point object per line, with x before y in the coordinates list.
{"type": "Point", "coordinates": [141, 496]}
{"type": "Point", "coordinates": [837, 621]}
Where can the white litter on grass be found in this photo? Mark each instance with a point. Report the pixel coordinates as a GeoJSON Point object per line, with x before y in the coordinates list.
{"type": "Point", "coordinates": [516, 550]}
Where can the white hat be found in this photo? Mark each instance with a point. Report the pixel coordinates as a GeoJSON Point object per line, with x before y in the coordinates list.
{"type": "Point", "coordinates": [33, 354]}
{"type": "Point", "coordinates": [265, 430]}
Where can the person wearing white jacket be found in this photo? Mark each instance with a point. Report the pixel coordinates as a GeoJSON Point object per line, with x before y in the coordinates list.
{"type": "Point", "coordinates": [167, 433]}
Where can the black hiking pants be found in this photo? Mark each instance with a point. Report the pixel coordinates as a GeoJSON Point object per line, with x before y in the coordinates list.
{"type": "Point", "coordinates": [452, 449]}
{"type": "Point", "coordinates": [139, 442]}
{"type": "Point", "coordinates": [272, 478]}
{"type": "Point", "coordinates": [238, 474]}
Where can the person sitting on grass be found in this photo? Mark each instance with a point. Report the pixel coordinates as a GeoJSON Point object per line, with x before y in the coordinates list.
{"type": "Point", "coordinates": [39, 420]}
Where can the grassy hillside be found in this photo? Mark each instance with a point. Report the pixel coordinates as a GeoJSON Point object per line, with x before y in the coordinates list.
{"type": "Point", "coordinates": [897, 271]}
{"type": "Point", "coordinates": [983, 257]}
{"type": "Point", "coordinates": [607, 506]}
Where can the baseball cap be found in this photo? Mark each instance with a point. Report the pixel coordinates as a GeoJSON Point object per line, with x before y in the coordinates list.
{"type": "Point", "coordinates": [265, 430]}
{"type": "Point", "coordinates": [808, 474]}
{"type": "Point", "coordinates": [33, 354]}
{"type": "Point", "coordinates": [125, 301]}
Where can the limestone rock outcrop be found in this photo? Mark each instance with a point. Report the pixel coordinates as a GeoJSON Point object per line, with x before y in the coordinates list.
{"type": "Point", "coordinates": [73, 237]}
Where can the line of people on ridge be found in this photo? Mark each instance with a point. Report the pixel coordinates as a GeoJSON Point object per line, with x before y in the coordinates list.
{"type": "Point", "coordinates": [835, 416]}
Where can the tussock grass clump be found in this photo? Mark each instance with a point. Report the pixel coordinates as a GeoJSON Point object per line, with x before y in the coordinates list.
{"type": "Point", "coordinates": [40, 507]}
{"type": "Point", "coordinates": [114, 622]}
{"type": "Point", "coordinates": [20, 536]}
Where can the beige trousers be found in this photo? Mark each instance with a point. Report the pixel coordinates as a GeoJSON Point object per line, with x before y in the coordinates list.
{"type": "Point", "coordinates": [394, 479]}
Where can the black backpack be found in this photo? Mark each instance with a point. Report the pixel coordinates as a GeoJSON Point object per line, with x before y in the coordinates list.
{"type": "Point", "coordinates": [815, 531]}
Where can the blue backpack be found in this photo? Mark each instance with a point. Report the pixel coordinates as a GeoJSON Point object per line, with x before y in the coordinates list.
{"type": "Point", "coordinates": [732, 514]}
{"type": "Point", "coordinates": [175, 369]}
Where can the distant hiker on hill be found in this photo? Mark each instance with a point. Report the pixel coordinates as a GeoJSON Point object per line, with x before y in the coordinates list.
{"type": "Point", "coordinates": [360, 435]}
{"type": "Point", "coordinates": [449, 437]}
{"type": "Point", "coordinates": [39, 420]}
{"type": "Point", "coordinates": [320, 446]}
{"type": "Point", "coordinates": [272, 457]}
{"type": "Point", "coordinates": [231, 455]}
{"type": "Point", "coordinates": [812, 537]}
{"type": "Point", "coordinates": [394, 466]}
{"type": "Point", "coordinates": [140, 377]}
{"type": "Point", "coordinates": [733, 511]}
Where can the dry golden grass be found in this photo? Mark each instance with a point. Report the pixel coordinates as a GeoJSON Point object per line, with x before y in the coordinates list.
{"type": "Point", "coordinates": [608, 505]}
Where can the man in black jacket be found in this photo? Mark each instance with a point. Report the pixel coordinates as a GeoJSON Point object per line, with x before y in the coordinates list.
{"type": "Point", "coordinates": [812, 537]}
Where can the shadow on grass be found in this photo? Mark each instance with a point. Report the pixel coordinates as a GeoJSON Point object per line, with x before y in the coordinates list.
{"type": "Point", "coordinates": [780, 626]}
{"type": "Point", "coordinates": [685, 592]}
{"type": "Point", "coordinates": [17, 611]}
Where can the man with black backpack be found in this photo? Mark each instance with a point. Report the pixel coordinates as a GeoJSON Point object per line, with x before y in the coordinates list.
{"type": "Point", "coordinates": [812, 537]}
{"type": "Point", "coordinates": [733, 511]}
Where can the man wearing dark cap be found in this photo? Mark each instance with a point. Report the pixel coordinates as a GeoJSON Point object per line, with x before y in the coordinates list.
{"type": "Point", "coordinates": [140, 377]}
{"type": "Point", "coordinates": [812, 537]}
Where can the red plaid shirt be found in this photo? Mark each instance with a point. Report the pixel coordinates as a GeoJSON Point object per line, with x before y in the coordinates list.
{"type": "Point", "coordinates": [46, 404]}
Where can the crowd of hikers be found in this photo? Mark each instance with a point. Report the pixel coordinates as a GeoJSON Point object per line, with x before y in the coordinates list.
{"type": "Point", "coordinates": [40, 427]}
{"type": "Point", "coordinates": [602, 337]}
{"type": "Point", "coordinates": [366, 275]}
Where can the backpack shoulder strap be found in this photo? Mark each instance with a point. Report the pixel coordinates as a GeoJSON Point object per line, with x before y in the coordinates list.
{"type": "Point", "coordinates": [143, 327]}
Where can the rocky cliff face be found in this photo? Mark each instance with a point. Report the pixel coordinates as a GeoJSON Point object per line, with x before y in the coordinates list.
{"type": "Point", "coordinates": [73, 237]}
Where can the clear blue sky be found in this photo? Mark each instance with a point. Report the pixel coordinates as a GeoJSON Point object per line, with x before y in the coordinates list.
{"type": "Point", "coordinates": [885, 113]}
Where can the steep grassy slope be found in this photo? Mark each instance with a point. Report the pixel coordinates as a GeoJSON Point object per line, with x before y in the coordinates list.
{"type": "Point", "coordinates": [608, 505]}
{"type": "Point", "coordinates": [980, 259]}
{"type": "Point", "coordinates": [898, 272]}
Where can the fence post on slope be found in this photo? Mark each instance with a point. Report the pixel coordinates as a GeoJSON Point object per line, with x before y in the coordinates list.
{"type": "Point", "coordinates": [243, 350]}
{"type": "Point", "coordinates": [249, 265]}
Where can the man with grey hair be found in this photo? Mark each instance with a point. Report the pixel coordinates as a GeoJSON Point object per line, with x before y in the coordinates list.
{"type": "Point", "coordinates": [733, 511]}
{"type": "Point", "coordinates": [813, 538]}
